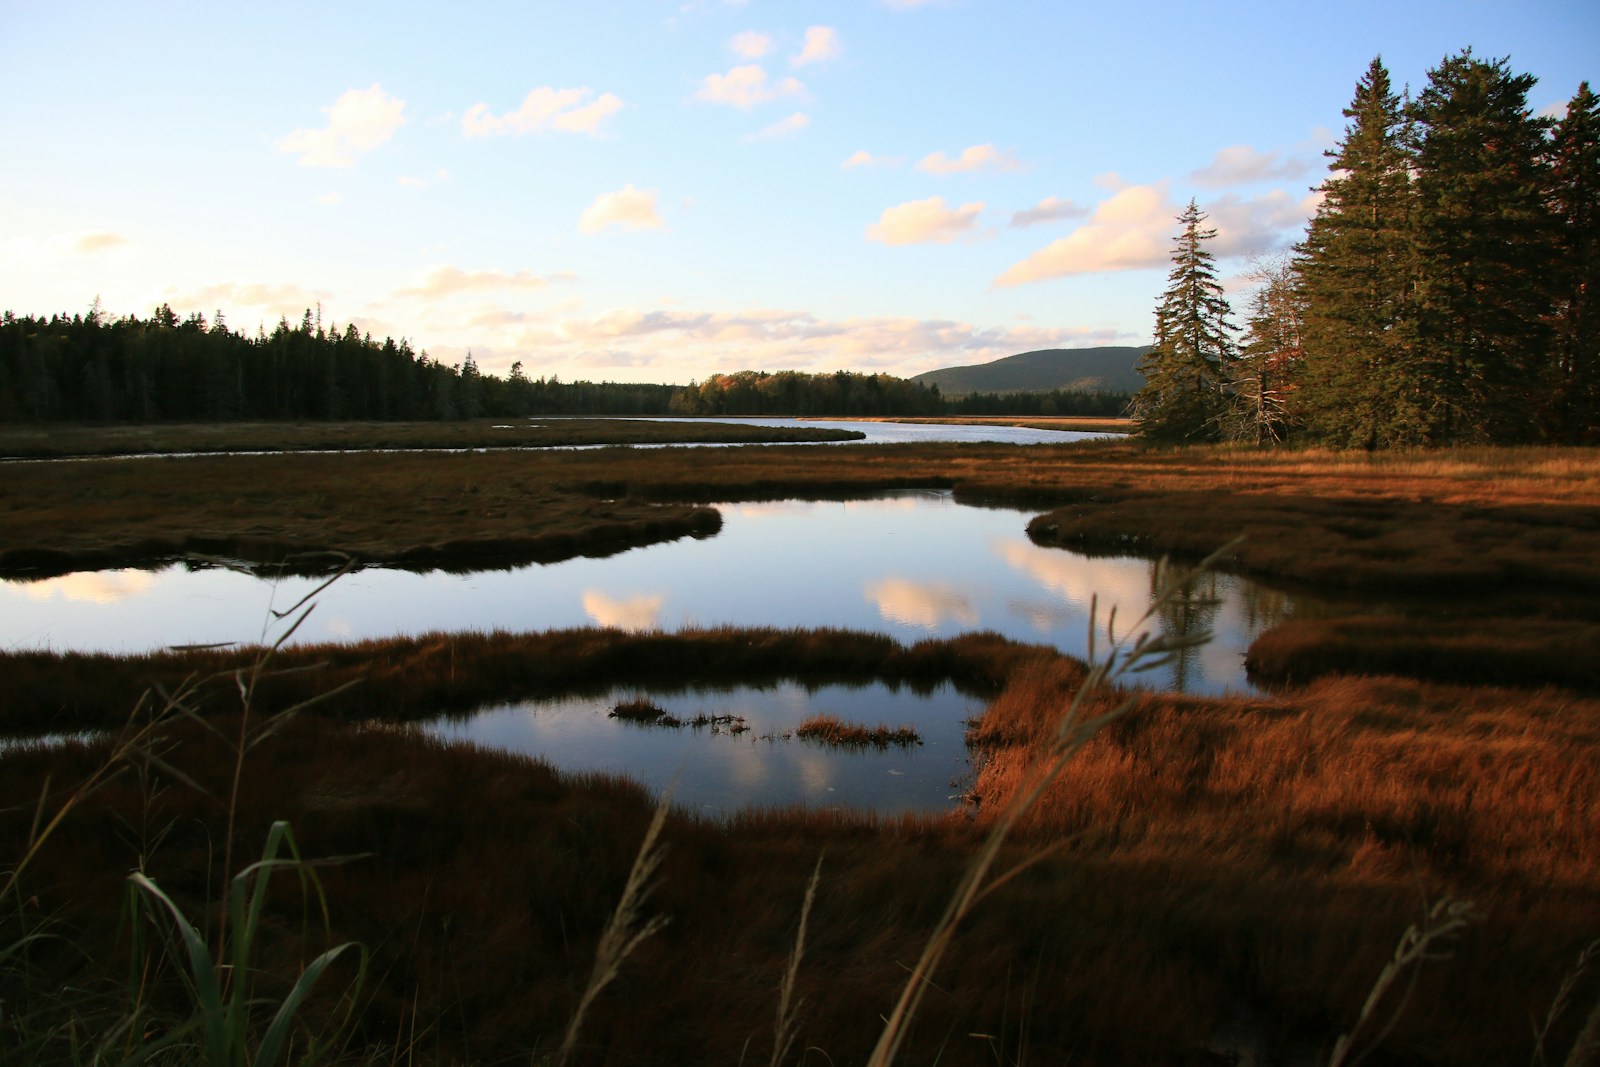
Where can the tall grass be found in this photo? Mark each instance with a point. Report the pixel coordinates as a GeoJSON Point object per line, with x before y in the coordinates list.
{"type": "Point", "coordinates": [221, 1023]}
{"type": "Point", "coordinates": [1074, 729]}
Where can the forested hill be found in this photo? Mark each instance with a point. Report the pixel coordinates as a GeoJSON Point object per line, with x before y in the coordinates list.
{"type": "Point", "coordinates": [1109, 369]}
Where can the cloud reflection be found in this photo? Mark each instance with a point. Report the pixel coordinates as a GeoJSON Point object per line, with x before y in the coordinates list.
{"type": "Point", "coordinates": [635, 613]}
{"type": "Point", "coordinates": [924, 604]}
{"type": "Point", "coordinates": [1124, 582]}
{"type": "Point", "coordinates": [94, 587]}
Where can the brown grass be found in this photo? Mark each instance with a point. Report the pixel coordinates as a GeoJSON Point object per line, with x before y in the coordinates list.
{"type": "Point", "coordinates": [1421, 521]}
{"type": "Point", "coordinates": [834, 731]}
{"type": "Point", "coordinates": [1265, 852]}
{"type": "Point", "coordinates": [60, 440]}
{"type": "Point", "coordinates": [415, 677]}
{"type": "Point", "coordinates": [1213, 857]}
{"type": "Point", "coordinates": [1488, 649]}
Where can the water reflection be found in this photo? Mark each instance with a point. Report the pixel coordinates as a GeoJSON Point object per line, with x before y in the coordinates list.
{"type": "Point", "coordinates": [926, 604]}
{"type": "Point", "coordinates": [635, 614]}
{"type": "Point", "coordinates": [91, 587]}
{"type": "Point", "coordinates": [766, 766]}
{"type": "Point", "coordinates": [912, 565]}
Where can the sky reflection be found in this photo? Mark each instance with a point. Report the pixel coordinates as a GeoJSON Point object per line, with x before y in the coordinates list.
{"type": "Point", "coordinates": [913, 565]}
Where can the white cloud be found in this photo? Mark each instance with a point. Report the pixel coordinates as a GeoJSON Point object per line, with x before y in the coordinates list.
{"type": "Point", "coordinates": [413, 182]}
{"type": "Point", "coordinates": [783, 127]}
{"type": "Point", "coordinates": [863, 158]}
{"type": "Point", "coordinates": [328, 199]}
{"type": "Point", "coordinates": [1135, 227]}
{"type": "Point", "coordinates": [750, 44]}
{"type": "Point", "coordinates": [745, 87]}
{"type": "Point", "coordinates": [1242, 165]}
{"type": "Point", "coordinates": [923, 221]}
{"type": "Point", "coordinates": [545, 108]}
{"type": "Point", "coordinates": [822, 44]}
{"type": "Point", "coordinates": [1050, 209]}
{"type": "Point", "coordinates": [978, 157]}
{"type": "Point", "coordinates": [98, 241]}
{"type": "Point", "coordinates": [1258, 225]}
{"type": "Point", "coordinates": [445, 280]}
{"type": "Point", "coordinates": [265, 300]}
{"type": "Point", "coordinates": [1128, 231]}
{"type": "Point", "coordinates": [792, 339]}
{"type": "Point", "coordinates": [661, 343]}
{"type": "Point", "coordinates": [629, 208]}
{"type": "Point", "coordinates": [359, 121]}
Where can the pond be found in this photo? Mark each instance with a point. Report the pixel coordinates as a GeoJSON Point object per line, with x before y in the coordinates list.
{"type": "Point", "coordinates": [756, 760]}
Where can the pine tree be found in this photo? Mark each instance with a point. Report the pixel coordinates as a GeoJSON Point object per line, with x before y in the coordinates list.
{"type": "Point", "coordinates": [1358, 382]}
{"type": "Point", "coordinates": [1575, 201]}
{"type": "Point", "coordinates": [1185, 370]}
{"type": "Point", "coordinates": [1484, 241]}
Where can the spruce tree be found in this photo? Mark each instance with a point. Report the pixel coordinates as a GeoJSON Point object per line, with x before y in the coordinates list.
{"type": "Point", "coordinates": [1484, 243]}
{"type": "Point", "coordinates": [1358, 384]}
{"type": "Point", "coordinates": [1575, 202]}
{"type": "Point", "coordinates": [1185, 370]}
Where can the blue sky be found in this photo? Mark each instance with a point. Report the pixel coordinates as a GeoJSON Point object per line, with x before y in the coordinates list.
{"type": "Point", "coordinates": [659, 191]}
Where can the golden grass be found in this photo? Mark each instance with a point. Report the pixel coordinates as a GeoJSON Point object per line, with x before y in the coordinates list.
{"type": "Point", "coordinates": [835, 732]}
{"type": "Point", "coordinates": [1215, 852]}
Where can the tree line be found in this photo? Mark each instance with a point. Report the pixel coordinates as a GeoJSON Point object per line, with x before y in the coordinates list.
{"type": "Point", "coordinates": [96, 368]}
{"type": "Point", "coordinates": [1444, 292]}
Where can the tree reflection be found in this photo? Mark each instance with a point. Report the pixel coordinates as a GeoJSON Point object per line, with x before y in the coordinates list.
{"type": "Point", "coordinates": [1193, 610]}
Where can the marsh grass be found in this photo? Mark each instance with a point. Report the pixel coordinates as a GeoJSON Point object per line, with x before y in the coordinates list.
{"type": "Point", "coordinates": [835, 732]}
{"type": "Point", "coordinates": [1199, 854]}
{"type": "Point", "coordinates": [1076, 726]}
{"type": "Point", "coordinates": [1522, 651]}
{"type": "Point", "coordinates": [422, 676]}
{"type": "Point", "coordinates": [1423, 521]}
{"type": "Point", "coordinates": [219, 1022]}
{"type": "Point", "coordinates": [642, 710]}
{"type": "Point", "coordinates": [20, 442]}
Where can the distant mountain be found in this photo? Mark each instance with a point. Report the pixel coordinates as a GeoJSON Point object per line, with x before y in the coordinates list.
{"type": "Point", "coordinates": [1085, 370]}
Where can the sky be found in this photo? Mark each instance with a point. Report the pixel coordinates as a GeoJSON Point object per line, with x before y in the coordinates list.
{"type": "Point", "coordinates": [661, 190]}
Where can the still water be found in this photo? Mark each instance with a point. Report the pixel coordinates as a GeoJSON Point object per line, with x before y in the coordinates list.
{"type": "Point", "coordinates": [913, 565]}
{"type": "Point", "coordinates": [716, 771]}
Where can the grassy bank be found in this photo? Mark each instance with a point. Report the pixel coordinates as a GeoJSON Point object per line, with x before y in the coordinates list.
{"type": "Point", "coordinates": [1215, 867]}
{"type": "Point", "coordinates": [75, 440]}
{"type": "Point", "coordinates": [1429, 522]}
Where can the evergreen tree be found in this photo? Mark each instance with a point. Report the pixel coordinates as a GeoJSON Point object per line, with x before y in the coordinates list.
{"type": "Point", "coordinates": [1358, 383]}
{"type": "Point", "coordinates": [1184, 371]}
{"type": "Point", "coordinates": [1484, 243]}
{"type": "Point", "coordinates": [1575, 201]}
{"type": "Point", "coordinates": [1259, 383]}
